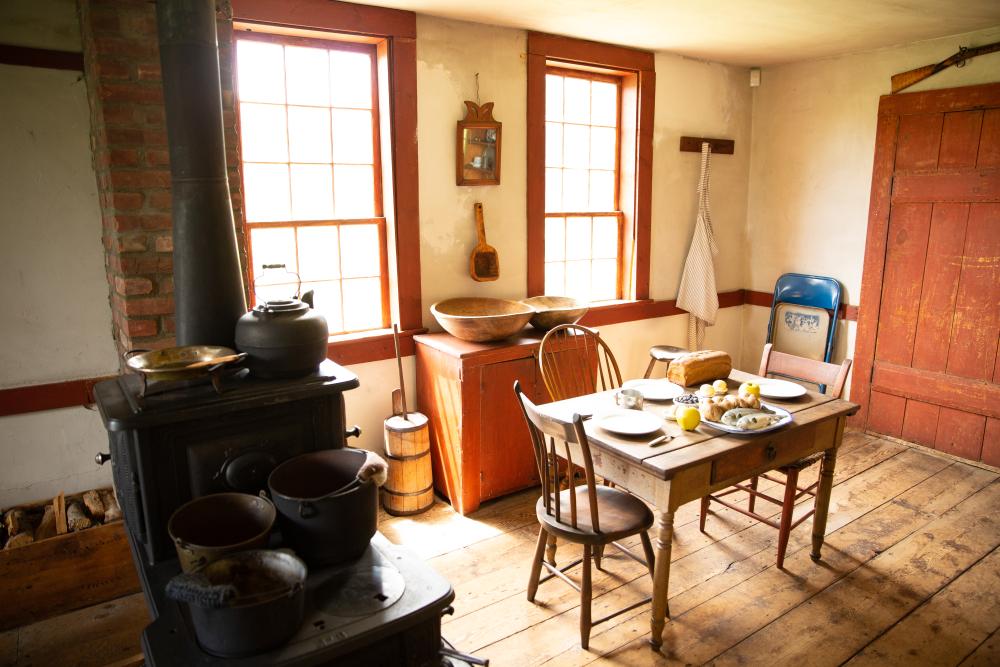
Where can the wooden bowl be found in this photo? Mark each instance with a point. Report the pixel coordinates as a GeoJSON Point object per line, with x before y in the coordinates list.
{"type": "Point", "coordinates": [551, 311]}
{"type": "Point", "coordinates": [479, 319]}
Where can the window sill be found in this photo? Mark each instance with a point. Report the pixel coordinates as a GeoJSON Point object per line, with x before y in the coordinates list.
{"type": "Point", "coordinates": [376, 345]}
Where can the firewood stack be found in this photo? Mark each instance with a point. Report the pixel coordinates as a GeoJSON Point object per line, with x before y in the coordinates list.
{"type": "Point", "coordinates": [31, 523]}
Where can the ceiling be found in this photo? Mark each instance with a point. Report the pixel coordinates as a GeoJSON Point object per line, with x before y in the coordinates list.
{"type": "Point", "coordinates": [739, 32]}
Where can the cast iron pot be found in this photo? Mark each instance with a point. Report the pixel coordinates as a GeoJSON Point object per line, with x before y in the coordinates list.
{"type": "Point", "coordinates": [322, 520]}
{"type": "Point", "coordinates": [209, 527]}
{"type": "Point", "coordinates": [244, 603]}
{"type": "Point", "coordinates": [283, 338]}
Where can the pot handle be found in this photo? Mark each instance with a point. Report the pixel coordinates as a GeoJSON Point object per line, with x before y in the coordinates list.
{"type": "Point", "coordinates": [131, 353]}
{"type": "Point", "coordinates": [307, 510]}
{"type": "Point", "coordinates": [237, 359]}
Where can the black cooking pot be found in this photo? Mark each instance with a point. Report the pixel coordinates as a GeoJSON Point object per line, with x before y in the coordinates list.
{"type": "Point", "coordinates": [244, 603]}
{"type": "Point", "coordinates": [327, 515]}
{"type": "Point", "coordinates": [283, 338]}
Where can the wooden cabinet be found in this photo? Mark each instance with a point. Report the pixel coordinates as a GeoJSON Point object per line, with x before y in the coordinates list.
{"type": "Point", "coordinates": [479, 441]}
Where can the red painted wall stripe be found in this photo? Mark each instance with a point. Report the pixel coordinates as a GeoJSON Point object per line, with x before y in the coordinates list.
{"type": "Point", "coordinates": [34, 398]}
{"type": "Point", "coordinates": [48, 58]}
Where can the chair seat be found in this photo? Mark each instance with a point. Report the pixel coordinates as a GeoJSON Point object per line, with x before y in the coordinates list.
{"type": "Point", "coordinates": [666, 352]}
{"type": "Point", "coordinates": [620, 515]}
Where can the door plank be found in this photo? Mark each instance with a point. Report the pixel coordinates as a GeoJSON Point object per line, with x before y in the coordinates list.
{"type": "Point", "coordinates": [945, 390]}
{"type": "Point", "coordinates": [952, 623]}
{"type": "Point", "coordinates": [920, 422]}
{"type": "Point", "coordinates": [956, 186]}
{"type": "Point", "coordinates": [991, 442]}
{"type": "Point", "coordinates": [960, 139]}
{"type": "Point", "coordinates": [976, 326]}
{"type": "Point", "coordinates": [909, 227]}
{"type": "Point", "coordinates": [989, 140]}
{"type": "Point", "coordinates": [886, 414]}
{"type": "Point", "coordinates": [942, 268]}
{"type": "Point", "coordinates": [919, 140]}
{"type": "Point", "coordinates": [960, 433]}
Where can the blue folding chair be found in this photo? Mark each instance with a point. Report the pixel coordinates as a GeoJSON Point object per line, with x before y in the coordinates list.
{"type": "Point", "coordinates": [804, 316]}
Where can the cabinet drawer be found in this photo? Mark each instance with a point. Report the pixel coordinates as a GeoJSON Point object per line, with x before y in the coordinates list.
{"type": "Point", "coordinates": [765, 453]}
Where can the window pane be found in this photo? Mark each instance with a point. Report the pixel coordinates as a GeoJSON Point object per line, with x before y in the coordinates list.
{"type": "Point", "coordinates": [553, 144]}
{"type": "Point", "coordinates": [553, 190]}
{"type": "Point", "coordinates": [575, 190]}
{"type": "Point", "coordinates": [362, 304]}
{"type": "Point", "coordinates": [260, 71]}
{"type": "Point", "coordinates": [602, 191]}
{"type": "Point", "coordinates": [351, 79]}
{"type": "Point", "coordinates": [555, 239]}
{"type": "Point", "coordinates": [602, 148]}
{"type": "Point", "coordinates": [309, 134]}
{"type": "Point", "coordinates": [262, 129]}
{"type": "Point", "coordinates": [555, 283]}
{"type": "Point", "coordinates": [604, 103]}
{"type": "Point", "coordinates": [576, 103]}
{"type": "Point", "coordinates": [312, 192]}
{"type": "Point", "coordinates": [308, 75]}
{"type": "Point", "coordinates": [553, 97]}
{"type": "Point", "coordinates": [578, 238]}
{"type": "Point", "coordinates": [578, 280]}
{"type": "Point", "coordinates": [319, 253]}
{"type": "Point", "coordinates": [266, 195]}
{"type": "Point", "coordinates": [359, 251]}
{"type": "Point", "coordinates": [352, 136]}
{"type": "Point", "coordinates": [576, 146]}
{"type": "Point", "coordinates": [604, 281]}
{"type": "Point", "coordinates": [354, 191]}
{"type": "Point", "coordinates": [605, 237]}
{"type": "Point", "coordinates": [272, 245]}
{"type": "Point", "coordinates": [326, 299]}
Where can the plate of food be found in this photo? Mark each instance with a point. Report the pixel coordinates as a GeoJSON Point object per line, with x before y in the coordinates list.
{"type": "Point", "coordinates": [771, 388]}
{"type": "Point", "coordinates": [750, 421]}
{"type": "Point", "coordinates": [655, 390]}
{"type": "Point", "coordinates": [629, 422]}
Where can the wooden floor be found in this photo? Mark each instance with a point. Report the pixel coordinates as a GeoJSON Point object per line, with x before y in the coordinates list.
{"type": "Point", "coordinates": [910, 576]}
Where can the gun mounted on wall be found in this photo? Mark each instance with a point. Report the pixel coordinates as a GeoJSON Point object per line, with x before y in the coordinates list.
{"type": "Point", "coordinates": [965, 53]}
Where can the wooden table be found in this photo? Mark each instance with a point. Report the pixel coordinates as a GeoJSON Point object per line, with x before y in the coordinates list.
{"type": "Point", "coordinates": [700, 462]}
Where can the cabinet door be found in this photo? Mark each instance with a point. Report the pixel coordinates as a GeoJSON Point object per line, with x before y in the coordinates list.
{"type": "Point", "coordinates": [507, 459]}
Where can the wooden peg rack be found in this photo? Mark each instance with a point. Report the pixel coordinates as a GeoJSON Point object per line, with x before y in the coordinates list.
{"type": "Point", "coordinates": [719, 146]}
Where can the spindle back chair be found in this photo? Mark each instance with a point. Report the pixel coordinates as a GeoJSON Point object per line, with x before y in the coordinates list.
{"type": "Point", "coordinates": [575, 361]}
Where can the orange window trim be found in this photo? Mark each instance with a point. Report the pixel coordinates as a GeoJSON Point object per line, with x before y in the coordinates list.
{"type": "Point", "coordinates": [635, 69]}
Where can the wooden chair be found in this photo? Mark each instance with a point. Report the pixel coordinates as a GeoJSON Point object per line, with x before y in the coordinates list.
{"type": "Point", "coordinates": [575, 361]}
{"type": "Point", "coordinates": [588, 514]}
{"type": "Point", "coordinates": [833, 376]}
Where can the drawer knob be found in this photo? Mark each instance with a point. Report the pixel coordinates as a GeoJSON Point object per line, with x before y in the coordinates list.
{"type": "Point", "coordinates": [770, 452]}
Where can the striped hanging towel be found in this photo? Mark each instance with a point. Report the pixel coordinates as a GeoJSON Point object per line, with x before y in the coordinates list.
{"type": "Point", "coordinates": [697, 294]}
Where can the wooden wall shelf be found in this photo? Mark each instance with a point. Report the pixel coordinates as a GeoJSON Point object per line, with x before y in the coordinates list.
{"type": "Point", "coordinates": [719, 146]}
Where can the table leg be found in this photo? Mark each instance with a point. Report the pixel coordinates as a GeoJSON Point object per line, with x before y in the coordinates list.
{"type": "Point", "coordinates": [823, 501]}
{"type": "Point", "coordinates": [661, 579]}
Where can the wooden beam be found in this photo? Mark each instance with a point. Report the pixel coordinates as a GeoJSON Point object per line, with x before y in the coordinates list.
{"type": "Point", "coordinates": [26, 56]}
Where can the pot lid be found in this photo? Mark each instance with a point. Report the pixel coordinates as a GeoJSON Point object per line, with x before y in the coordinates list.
{"type": "Point", "coordinates": [281, 306]}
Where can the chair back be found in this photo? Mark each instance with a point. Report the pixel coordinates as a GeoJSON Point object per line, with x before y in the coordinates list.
{"type": "Point", "coordinates": [834, 376]}
{"type": "Point", "coordinates": [574, 361]}
{"type": "Point", "coordinates": [548, 436]}
{"type": "Point", "coordinates": [804, 315]}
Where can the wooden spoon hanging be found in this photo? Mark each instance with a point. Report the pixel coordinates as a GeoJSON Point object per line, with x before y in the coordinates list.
{"type": "Point", "coordinates": [484, 264]}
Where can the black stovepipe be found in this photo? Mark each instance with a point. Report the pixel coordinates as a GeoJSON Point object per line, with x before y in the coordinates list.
{"type": "Point", "coordinates": [208, 283]}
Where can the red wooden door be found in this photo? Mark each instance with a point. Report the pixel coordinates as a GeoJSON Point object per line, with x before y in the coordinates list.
{"type": "Point", "coordinates": [926, 360]}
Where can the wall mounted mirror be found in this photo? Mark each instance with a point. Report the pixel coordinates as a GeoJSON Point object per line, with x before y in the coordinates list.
{"type": "Point", "coordinates": [478, 146]}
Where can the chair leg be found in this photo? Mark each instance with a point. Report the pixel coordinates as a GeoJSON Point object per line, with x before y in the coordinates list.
{"type": "Point", "coordinates": [536, 564]}
{"type": "Point", "coordinates": [585, 594]}
{"type": "Point", "coordinates": [649, 369]}
{"type": "Point", "coordinates": [704, 513]}
{"type": "Point", "coordinates": [598, 555]}
{"type": "Point", "coordinates": [787, 507]}
{"type": "Point", "coordinates": [550, 550]}
{"type": "Point", "coordinates": [753, 498]}
{"type": "Point", "coordinates": [647, 548]}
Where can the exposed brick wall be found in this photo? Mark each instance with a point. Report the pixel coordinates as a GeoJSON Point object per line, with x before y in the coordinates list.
{"type": "Point", "coordinates": [129, 144]}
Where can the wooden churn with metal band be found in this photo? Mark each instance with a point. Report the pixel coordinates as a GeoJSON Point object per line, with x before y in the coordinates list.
{"type": "Point", "coordinates": [409, 488]}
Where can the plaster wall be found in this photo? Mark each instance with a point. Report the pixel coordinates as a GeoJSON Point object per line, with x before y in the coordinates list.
{"type": "Point", "coordinates": [811, 165]}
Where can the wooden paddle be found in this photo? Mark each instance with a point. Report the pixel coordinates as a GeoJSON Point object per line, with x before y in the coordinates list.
{"type": "Point", "coordinates": [484, 264]}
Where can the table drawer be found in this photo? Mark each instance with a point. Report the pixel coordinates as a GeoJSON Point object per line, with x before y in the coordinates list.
{"type": "Point", "coordinates": [765, 453]}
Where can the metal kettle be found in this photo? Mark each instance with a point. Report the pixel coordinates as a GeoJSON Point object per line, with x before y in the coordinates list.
{"type": "Point", "coordinates": [283, 337]}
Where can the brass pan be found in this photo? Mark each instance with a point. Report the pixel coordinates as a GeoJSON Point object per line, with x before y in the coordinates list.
{"type": "Point", "coordinates": [181, 363]}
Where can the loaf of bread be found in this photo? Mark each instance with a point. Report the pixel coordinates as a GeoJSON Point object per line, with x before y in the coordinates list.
{"type": "Point", "coordinates": [697, 367]}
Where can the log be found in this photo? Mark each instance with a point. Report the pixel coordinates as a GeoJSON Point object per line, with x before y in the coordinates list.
{"type": "Point", "coordinates": [95, 506]}
{"type": "Point", "coordinates": [76, 518]}
{"type": "Point", "coordinates": [16, 521]}
{"type": "Point", "coordinates": [112, 512]}
{"type": "Point", "coordinates": [59, 506]}
{"type": "Point", "coordinates": [47, 526]}
{"type": "Point", "coordinates": [19, 540]}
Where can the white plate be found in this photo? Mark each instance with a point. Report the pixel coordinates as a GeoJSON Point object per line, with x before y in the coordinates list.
{"type": "Point", "coordinates": [655, 390]}
{"type": "Point", "coordinates": [786, 418]}
{"type": "Point", "coordinates": [629, 422]}
{"type": "Point", "coordinates": [771, 388]}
